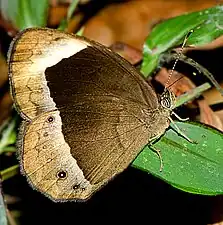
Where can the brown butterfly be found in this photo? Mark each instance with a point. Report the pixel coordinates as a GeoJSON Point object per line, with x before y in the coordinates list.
{"type": "Point", "coordinates": [87, 112]}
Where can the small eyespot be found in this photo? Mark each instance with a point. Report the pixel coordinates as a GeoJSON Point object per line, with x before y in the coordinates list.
{"type": "Point", "coordinates": [49, 160]}
{"type": "Point", "coordinates": [58, 39]}
{"type": "Point", "coordinates": [83, 189]}
{"type": "Point", "coordinates": [75, 187]}
{"type": "Point", "coordinates": [45, 134]}
{"type": "Point", "coordinates": [62, 174]}
{"type": "Point", "coordinates": [50, 119]}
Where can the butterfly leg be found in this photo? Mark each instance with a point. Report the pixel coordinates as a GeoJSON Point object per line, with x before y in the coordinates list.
{"type": "Point", "coordinates": [157, 151]}
{"type": "Point", "coordinates": [179, 118]}
{"type": "Point", "coordinates": [180, 132]}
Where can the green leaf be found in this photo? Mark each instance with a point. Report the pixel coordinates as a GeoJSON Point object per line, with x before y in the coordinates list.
{"type": "Point", "coordinates": [207, 25]}
{"type": "Point", "coordinates": [8, 134]}
{"type": "Point", "coordinates": [81, 31]}
{"type": "Point", "coordinates": [64, 23]}
{"type": "Point", "coordinates": [9, 172]}
{"type": "Point", "coordinates": [27, 13]}
{"type": "Point", "coordinates": [72, 8]}
{"type": "Point", "coordinates": [194, 93]}
{"type": "Point", "coordinates": [195, 168]}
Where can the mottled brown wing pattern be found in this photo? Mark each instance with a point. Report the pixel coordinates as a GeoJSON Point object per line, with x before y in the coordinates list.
{"type": "Point", "coordinates": [31, 52]}
{"type": "Point", "coordinates": [46, 154]}
{"type": "Point", "coordinates": [86, 111]}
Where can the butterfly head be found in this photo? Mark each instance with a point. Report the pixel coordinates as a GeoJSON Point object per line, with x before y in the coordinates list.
{"type": "Point", "coordinates": [167, 99]}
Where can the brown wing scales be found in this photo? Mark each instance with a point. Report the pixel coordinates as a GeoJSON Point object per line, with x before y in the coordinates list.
{"type": "Point", "coordinates": [98, 101]}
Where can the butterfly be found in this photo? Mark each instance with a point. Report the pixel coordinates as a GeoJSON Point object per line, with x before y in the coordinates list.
{"type": "Point", "coordinates": [87, 112]}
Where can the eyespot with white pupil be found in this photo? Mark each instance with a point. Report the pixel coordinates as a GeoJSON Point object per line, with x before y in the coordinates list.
{"type": "Point", "coordinates": [62, 174]}
{"type": "Point", "coordinates": [75, 187]}
{"type": "Point", "coordinates": [50, 119]}
{"type": "Point", "coordinates": [45, 134]}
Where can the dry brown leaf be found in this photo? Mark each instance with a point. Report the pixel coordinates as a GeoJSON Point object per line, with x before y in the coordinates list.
{"type": "Point", "coordinates": [74, 23]}
{"type": "Point", "coordinates": [217, 211]}
{"type": "Point", "coordinates": [56, 14]}
{"type": "Point", "coordinates": [208, 116]}
{"type": "Point", "coordinates": [59, 2]}
{"type": "Point", "coordinates": [58, 11]}
{"type": "Point", "coordinates": [182, 85]}
{"type": "Point", "coordinates": [5, 100]}
{"type": "Point", "coordinates": [220, 114]}
{"type": "Point", "coordinates": [130, 22]}
{"type": "Point", "coordinates": [131, 54]}
{"type": "Point", "coordinates": [3, 71]}
{"type": "Point", "coordinates": [220, 223]}
{"type": "Point", "coordinates": [212, 45]}
{"type": "Point", "coordinates": [213, 96]}
{"type": "Point", "coordinates": [5, 106]}
{"type": "Point", "coordinates": [8, 27]}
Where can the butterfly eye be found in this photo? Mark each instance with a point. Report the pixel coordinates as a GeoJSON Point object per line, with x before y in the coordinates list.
{"type": "Point", "coordinates": [50, 119]}
{"type": "Point", "coordinates": [166, 103]}
{"type": "Point", "coordinates": [62, 174]}
{"type": "Point", "coordinates": [167, 99]}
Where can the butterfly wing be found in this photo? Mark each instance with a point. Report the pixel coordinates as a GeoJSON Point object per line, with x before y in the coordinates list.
{"type": "Point", "coordinates": [89, 101]}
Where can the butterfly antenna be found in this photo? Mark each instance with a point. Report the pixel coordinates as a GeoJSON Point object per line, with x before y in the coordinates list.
{"type": "Point", "coordinates": [177, 59]}
{"type": "Point", "coordinates": [181, 77]}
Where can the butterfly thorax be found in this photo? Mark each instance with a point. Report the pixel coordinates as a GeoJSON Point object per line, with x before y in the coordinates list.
{"type": "Point", "coordinates": [160, 122]}
{"type": "Point", "coordinates": [157, 120]}
{"type": "Point", "coordinates": [167, 101]}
